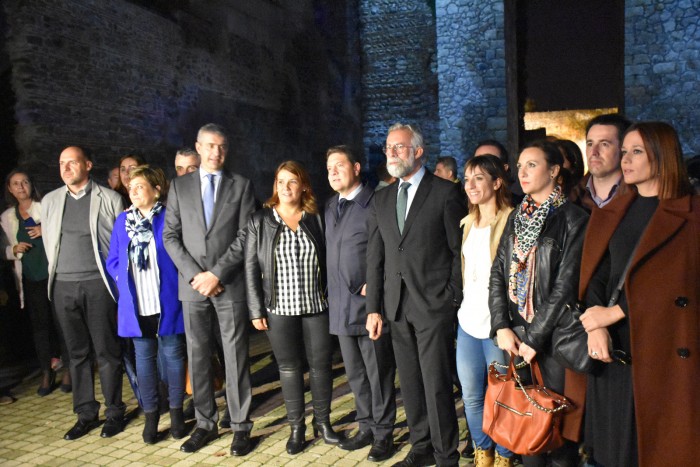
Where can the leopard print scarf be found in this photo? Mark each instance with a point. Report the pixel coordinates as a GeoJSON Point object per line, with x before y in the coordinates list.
{"type": "Point", "coordinates": [528, 224]}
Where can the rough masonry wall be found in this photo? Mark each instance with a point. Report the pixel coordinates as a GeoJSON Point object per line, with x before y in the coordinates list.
{"type": "Point", "coordinates": [118, 78]}
{"type": "Point", "coordinates": [399, 80]}
{"type": "Point", "coordinates": [472, 74]}
{"type": "Point", "coordinates": [662, 65]}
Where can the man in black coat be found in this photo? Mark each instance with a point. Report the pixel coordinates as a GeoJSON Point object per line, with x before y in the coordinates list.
{"type": "Point", "coordinates": [369, 363]}
{"type": "Point", "coordinates": [414, 273]}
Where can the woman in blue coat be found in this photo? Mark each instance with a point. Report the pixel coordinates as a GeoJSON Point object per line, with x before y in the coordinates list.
{"type": "Point", "coordinates": [149, 310]}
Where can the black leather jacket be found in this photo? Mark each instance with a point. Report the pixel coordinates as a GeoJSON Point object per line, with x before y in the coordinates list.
{"type": "Point", "coordinates": [557, 264]}
{"type": "Point", "coordinates": [261, 240]}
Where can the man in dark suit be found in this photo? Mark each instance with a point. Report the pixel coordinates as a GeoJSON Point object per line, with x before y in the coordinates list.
{"type": "Point", "coordinates": [369, 364]}
{"type": "Point", "coordinates": [414, 270]}
{"type": "Point", "coordinates": [206, 209]}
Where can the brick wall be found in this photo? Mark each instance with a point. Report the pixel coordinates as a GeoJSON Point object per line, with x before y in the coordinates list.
{"type": "Point", "coordinates": [662, 65]}
{"type": "Point", "coordinates": [399, 80]}
{"type": "Point", "coordinates": [281, 76]}
{"type": "Point", "coordinates": [472, 74]}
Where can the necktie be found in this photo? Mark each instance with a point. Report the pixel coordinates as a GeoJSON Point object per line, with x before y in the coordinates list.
{"type": "Point", "coordinates": [208, 199]}
{"type": "Point", "coordinates": [341, 205]}
{"type": "Point", "coordinates": [401, 203]}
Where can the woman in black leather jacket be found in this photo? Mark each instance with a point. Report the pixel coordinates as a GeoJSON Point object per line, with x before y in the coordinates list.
{"type": "Point", "coordinates": [536, 271]}
{"type": "Point", "coordinates": [286, 292]}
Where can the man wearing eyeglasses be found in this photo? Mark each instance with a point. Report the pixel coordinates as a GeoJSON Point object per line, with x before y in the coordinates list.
{"type": "Point", "coordinates": [206, 209]}
{"type": "Point", "coordinates": [414, 282]}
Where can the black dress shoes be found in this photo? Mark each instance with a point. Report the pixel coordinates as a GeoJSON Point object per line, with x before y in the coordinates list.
{"type": "Point", "coordinates": [241, 444]}
{"type": "Point", "coordinates": [80, 429]}
{"type": "Point", "coordinates": [414, 459]}
{"type": "Point", "coordinates": [112, 426]}
{"type": "Point", "coordinates": [360, 440]}
{"type": "Point", "coordinates": [199, 439]}
{"type": "Point", "coordinates": [382, 449]}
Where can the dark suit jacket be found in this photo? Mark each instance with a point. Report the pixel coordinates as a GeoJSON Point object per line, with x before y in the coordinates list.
{"type": "Point", "coordinates": [426, 257]}
{"type": "Point", "coordinates": [346, 259]}
{"type": "Point", "coordinates": [219, 249]}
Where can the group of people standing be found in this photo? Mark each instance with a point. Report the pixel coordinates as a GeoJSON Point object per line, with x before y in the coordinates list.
{"type": "Point", "coordinates": [391, 273]}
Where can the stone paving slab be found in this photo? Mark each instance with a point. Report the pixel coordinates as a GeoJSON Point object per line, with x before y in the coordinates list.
{"type": "Point", "coordinates": [32, 429]}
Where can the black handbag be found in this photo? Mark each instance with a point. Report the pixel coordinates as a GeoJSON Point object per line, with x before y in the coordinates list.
{"type": "Point", "coordinates": [570, 339]}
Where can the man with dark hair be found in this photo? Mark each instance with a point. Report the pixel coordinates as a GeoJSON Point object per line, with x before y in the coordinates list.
{"type": "Point", "coordinates": [414, 280]}
{"type": "Point", "coordinates": [78, 218]}
{"type": "Point", "coordinates": [369, 364]}
{"type": "Point", "coordinates": [603, 142]}
{"type": "Point", "coordinates": [494, 148]}
{"type": "Point", "coordinates": [446, 168]}
{"type": "Point", "coordinates": [186, 161]}
{"type": "Point", "coordinates": [206, 210]}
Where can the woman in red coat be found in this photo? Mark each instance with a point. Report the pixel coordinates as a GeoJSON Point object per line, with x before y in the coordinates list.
{"type": "Point", "coordinates": [642, 402]}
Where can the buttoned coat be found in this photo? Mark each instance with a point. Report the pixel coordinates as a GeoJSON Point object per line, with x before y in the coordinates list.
{"type": "Point", "coordinates": [662, 289]}
{"type": "Point", "coordinates": [105, 206]}
{"type": "Point", "coordinates": [194, 248]}
{"type": "Point", "coordinates": [346, 253]}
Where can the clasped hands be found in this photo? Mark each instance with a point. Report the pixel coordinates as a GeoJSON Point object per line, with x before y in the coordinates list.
{"type": "Point", "coordinates": [595, 321]}
{"type": "Point", "coordinates": [509, 341]}
{"type": "Point", "coordinates": [207, 284]}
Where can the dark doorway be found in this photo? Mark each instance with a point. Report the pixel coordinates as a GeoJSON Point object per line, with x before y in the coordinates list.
{"type": "Point", "coordinates": [563, 55]}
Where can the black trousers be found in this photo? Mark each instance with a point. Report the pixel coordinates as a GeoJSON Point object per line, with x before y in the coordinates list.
{"type": "Point", "coordinates": [290, 337]}
{"type": "Point", "coordinates": [88, 317]}
{"type": "Point", "coordinates": [371, 368]}
{"type": "Point", "coordinates": [424, 347]}
{"type": "Point", "coordinates": [48, 338]}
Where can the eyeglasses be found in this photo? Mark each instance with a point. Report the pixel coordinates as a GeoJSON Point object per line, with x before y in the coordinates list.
{"type": "Point", "coordinates": [399, 148]}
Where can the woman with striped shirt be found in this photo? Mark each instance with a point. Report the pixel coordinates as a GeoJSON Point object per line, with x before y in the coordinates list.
{"type": "Point", "coordinates": [286, 283]}
{"type": "Point", "coordinates": [149, 310]}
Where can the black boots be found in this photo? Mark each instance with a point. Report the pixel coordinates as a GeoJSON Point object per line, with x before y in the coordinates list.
{"type": "Point", "coordinates": [321, 391]}
{"type": "Point", "coordinates": [150, 429]}
{"type": "Point", "coordinates": [177, 423]}
{"type": "Point", "coordinates": [293, 392]}
{"type": "Point", "coordinates": [296, 441]}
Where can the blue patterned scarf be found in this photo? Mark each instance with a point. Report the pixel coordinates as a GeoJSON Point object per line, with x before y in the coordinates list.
{"type": "Point", "coordinates": [140, 231]}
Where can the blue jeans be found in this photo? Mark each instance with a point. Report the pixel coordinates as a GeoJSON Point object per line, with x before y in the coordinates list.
{"type": "Point", "coordinates": [473, 359]}
{"type": "Point", "coordinates": [173, 351]}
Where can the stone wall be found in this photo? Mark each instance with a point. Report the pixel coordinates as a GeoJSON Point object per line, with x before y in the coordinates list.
{"type": "Point", "coordinates": [662, 65]}
{"type": "Point", "coordinates": [399, 80]}
{"type": "Point", "coordinates": [118, 77]}
{"type": "Point", "coordinates": [472, 74]}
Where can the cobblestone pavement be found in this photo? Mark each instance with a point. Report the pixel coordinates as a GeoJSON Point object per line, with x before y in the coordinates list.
{"type": "Point", "coordinates": [32, 429]}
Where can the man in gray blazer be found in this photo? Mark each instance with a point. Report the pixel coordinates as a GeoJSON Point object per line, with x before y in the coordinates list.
{"type": "Point", "coordinates": [77, 220]}
{"type": "Point", "coordinates": [369, 363]}
{"type": "Point", "coordinates": [206, 210]}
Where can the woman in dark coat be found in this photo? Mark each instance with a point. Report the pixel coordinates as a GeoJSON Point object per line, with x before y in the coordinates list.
{"type": "Point", "coordinates": [286, 285]}
{"type": "Point", "coordinates": [642, 403]}
{"type": "Point", "coordinates": [535, 273]}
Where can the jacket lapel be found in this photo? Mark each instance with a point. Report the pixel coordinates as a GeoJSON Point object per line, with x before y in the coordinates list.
{"type": "Point", "coordinates": [225, 187]}
{"type": "Point", "coordinates": [596, 242]}
{"type": "Point", "coordinates": [666, 221]}
{"type": "Point", "coordinates": [95, 201]}
{"type": "Point", "coordinates": [418, 200]}
{"type": "Point", "coordinates": [194, 187]}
